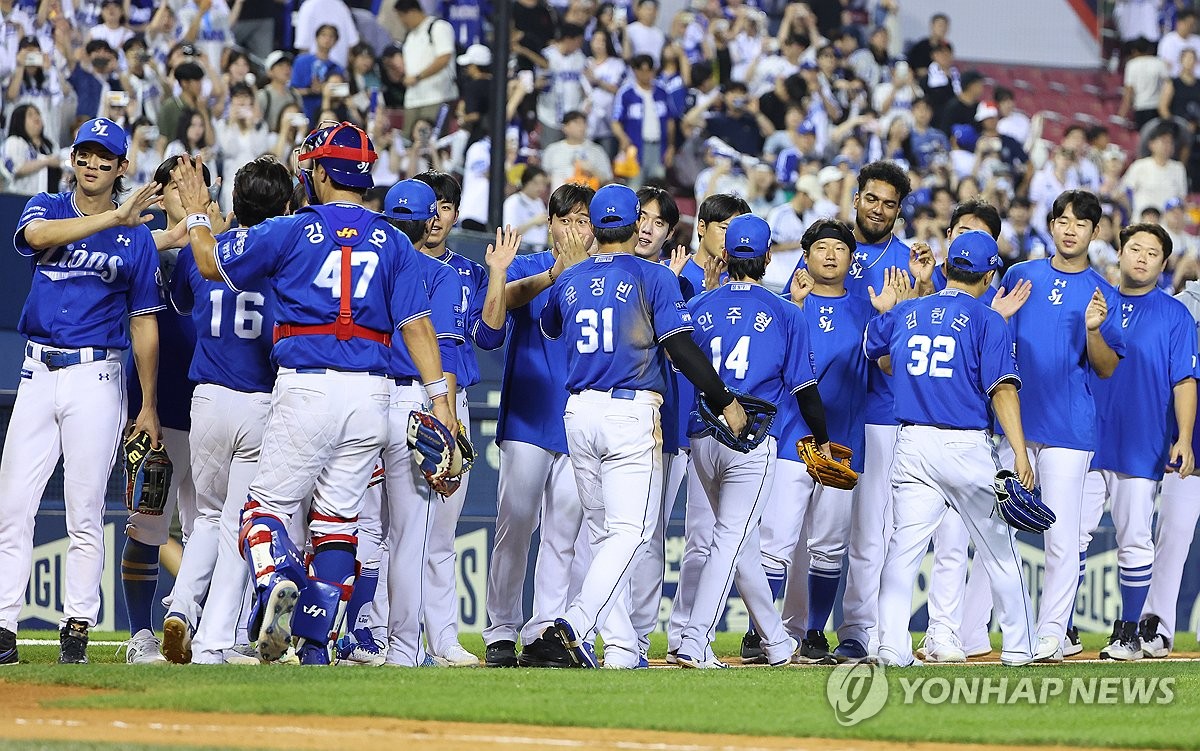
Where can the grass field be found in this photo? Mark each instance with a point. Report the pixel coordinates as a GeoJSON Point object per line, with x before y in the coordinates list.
{"type": "Point", "coordinates": [756, 702]}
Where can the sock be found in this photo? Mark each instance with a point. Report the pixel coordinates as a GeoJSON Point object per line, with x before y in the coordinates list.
{"type": "Point", "coordinates": [139, 580]}
{"type": "Point", "coordinates": [1135, 585]}
{"type": "Point", "coordinates": [822, 589]}
{"type": "Point", "coordinates": [364, 593]}
{"type": "Point", "coordinates": [1079, 586]}
{"type": "Point", "coordinates": [776, 578]}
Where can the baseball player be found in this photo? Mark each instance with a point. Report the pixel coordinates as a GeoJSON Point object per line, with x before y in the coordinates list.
{"type": "Point", "coordinates": [234, 375]}
{"type": "Point", "coordinates": [336, 271]}
{"type": "Point", "coordinates": [614, 311]}
{"type": "Point", "coordinates": [952, 357]}
{"type": "Point", "coordinates": [94, 267]}
{"type": "Point", "coordinates": [760, 343]}
{"type": "Point", "coordinates": [1177, 517]}
{"type": "Point", "coordinates": [146, 533]}
{"type": "Point", "coordinates": [1064, 334]}
{"type": "Point", "coordinates": [536, 481]}
{"type": "Point", "coordinates": [1134, 410]}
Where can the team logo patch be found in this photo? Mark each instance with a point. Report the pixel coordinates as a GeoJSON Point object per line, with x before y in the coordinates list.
{"type": "Point", "coordinates": [346, 233]}
{"type": "Point", "coordinates": [26, 373]}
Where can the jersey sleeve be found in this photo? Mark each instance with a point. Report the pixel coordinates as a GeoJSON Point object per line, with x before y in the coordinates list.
{"type": "Point", "coordinates": [800, 367]}
{"type": "Point", "coordinates": [408, 302]}
{"type": "Point", "coordinates": [484, 336]}
{"type": "Point", "coordinates": [1183, 347]}
{"type": "Point", "coordinates": [552, 321]}
{"type": "Point", "coordinates": [665, 301]}
{"type": "Point", "coordinates": [145, 293]}
{"type": "Point", "coordinates": [179, 288]}
{"type": "Point", "coordinates": [878, 339]}
{"type": "Point", "coordinates": [997, 359]}
{"type": "Point", "coordinates": [244, 258]}
{"type": "Point", "coordinates": [40, 206]}
{"type": "Point", "coordinates": [1112, 330]}
{"type": "Point", "coordinates": [444, 301]}
{"type": "Point", "coordinates": [526, 266]}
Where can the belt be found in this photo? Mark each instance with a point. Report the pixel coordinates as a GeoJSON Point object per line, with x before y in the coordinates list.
{"type": "Point", "coordinates": [402, 382]}
{"type": "Point", "coordinates": [55, 359]}
{"type": "Point", "coordinates": [626, 394]}
{"type": "Point", "coordinates": [322, 371]}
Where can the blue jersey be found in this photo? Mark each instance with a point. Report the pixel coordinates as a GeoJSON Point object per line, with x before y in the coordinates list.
{"type": "Point", "coordinates": [1134, 407]}
{"type": "Point", "coordinates": [301, 254]}
{"type": "Point", "coordinates": [613, 310]}
{"type": "Point", "coordinates": [176, 343]}
{"type": "Point", "coordinates": [83, 292]}
{"type": "Point", "coordinates": [682, 392]}
{"type": "Point", "coordinates": [835, 328]}
{"type": "Point", "coordinates": [759, 346]}
{"type": "Point", "coordinates": [533, 365]}
{"type": "Point", "coordinates": [444, 297]}
{"type": "Point", "coordinates": [232, 329]}
{"type": "Point", "coordinates": [474, 280]}
{"type": "Point", "coordinates": [466, 16]}
{"type": "Point", "coordinates": [939, 284]}
{"type": "Point", "coordinates": [1057, 408]}
{"type": "Point", "coordinates": [949, 351]}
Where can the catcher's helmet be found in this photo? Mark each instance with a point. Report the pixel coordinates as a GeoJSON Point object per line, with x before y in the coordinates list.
{"type": "Point", "coordinates": [344, 150]}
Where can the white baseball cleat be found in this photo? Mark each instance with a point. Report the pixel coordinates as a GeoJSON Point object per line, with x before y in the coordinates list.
{"type": "Point", "coordinates": [941, 647]}
{"type": "Point", "coordinates": [456, 656]}
{"type": "Point", "coordinates": [1049, 649]}
{"type": "Point", "coordinates": [143, 648]}
{"type": "Point", "coordinates": [241, 654]}
{"type": "Point", "coordinates": [275, 634]}
{"type": "Point", "coordinates": [1072, 646]}
{"type": "Point", "coordinates": [177, 639]}
{"type": "Point", "coordinates": [1154, 643]}
{"type": "Point", "coordinates": [687, 661]}
{"type": "Point", "coordinates": [1124, 643]}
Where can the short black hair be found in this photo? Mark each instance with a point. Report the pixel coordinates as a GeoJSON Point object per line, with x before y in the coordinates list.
{"type": "Point", "coordinates": [641, 61]}
{"type": "Point", "coordinates": [403, 6]}
{"type": "Point", "coordinates": [1164, 239]}
{"type": "Point", "coordinates": [615, 235]}
{"type": "Point", "coordinates": [299, 198]}
{"type": "Point", "coordinates": [747, 268]}
{"type": "Point", "coordinates": [733, 86]}
{"type": "Point", "coordinates": [667, 208]}
{"type": "Point", "coordinates": [1002, 94]}
{"type": "Point", "coordinates": [98, 45]}
{"type": "Point", "coordinates": [701, 71]}
{"type": "Point", "coordinates": [1083, 203]}
{"type": "Point", "coordinates": [188, 71]}
{"type": "Point", "coordinates": [888, 172]}
{"type": "Point", "coordinates": [572, 116]}
{"type": "Point", "coordinates": [531, 173]}
{"type": "Point", "coordinates": [162, 173]}
{"type": "Point", "coordinates": [241, 88]}
{"type": "Point", "coordinates": [721, 206]}
{"type": "Point", "coordinates": [567, 196]}
{"type": "Point", "coordinates": [1095, 131]}
{"type": "Point", "coordinates": [1020, 202]}
{"type": "Point", "coordinates": [262, 189]}
{"type": "Point", "coordinates": [846, 234]}
{"type": "Point", "coordinates": [337, 34]}
{"type": "Point", "coordinates": [413, 229]}
{"type": "Point", "coordinates": [137, 40]}
{"type": "Point", "coordinates": [939, 17]}
{"type": "Point", "coordinates": [445, 187]}
{"type": "Point", "coordinates": [978, 207]}
{"type": "Point", "coordinates": [969, 278]}
{"type": "Point", "coordinates": [570, 31]}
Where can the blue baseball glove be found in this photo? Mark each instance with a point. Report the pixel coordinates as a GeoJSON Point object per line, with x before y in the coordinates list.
{"type": "Point", "coordinates": [1022, 509]}
{"type": "Point", "coordinates": [759, 415]}
{"type": "Point", "coordinates": [440, 456]}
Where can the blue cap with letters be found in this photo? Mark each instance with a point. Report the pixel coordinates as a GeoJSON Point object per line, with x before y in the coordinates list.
{"type": "Point", "coordinates": [748, 236]}
{"type": "Point", "coordinates": [410, 199]}
{"type": "Point", "coordinates": [104, 133]}
{"type": "Point", "coordinates": [975, 251]}
{"type": "Point", "coordinates": [614, 206]}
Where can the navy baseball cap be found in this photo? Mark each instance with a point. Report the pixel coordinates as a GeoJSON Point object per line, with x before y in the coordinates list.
{"type": "Point", "coordinates": [614, 206]}
{"type": "Point", "coordinates": [104, 133]}
{"type": "Point", "coordinates": [1172, 204]}
{"type": "Point", "coordinates": [966, 136]}
{"type": "Point", "coordinates": [748, 236]}
{"type": "Point", "coordinates": [410, 199]}
{"type": "Point", "coordinates": [975, 251]}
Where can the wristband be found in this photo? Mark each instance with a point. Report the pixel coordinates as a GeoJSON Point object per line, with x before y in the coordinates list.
{"type": "Point", "coordinates": [198, 220]}
{"type": "Point", "coordinates": [437, 388]}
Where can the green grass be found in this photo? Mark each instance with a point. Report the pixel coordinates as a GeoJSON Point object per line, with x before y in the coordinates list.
{"type": "Point", "coordinates": [785, 702]}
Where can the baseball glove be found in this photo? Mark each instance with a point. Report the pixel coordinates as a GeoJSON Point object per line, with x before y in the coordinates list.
{"type": "Point", "coordinates": [438, 454]}
{"type": "Point", "coordinates": [460, 464]}
{"type": "Point", "coordinates": [835, 472]}
{"type": "Point", "coordinates": [759, 415]}
{"type": "Point", "coordinates": [147, 475]}
{"type": "Point", "coordinates": [1022, 509]}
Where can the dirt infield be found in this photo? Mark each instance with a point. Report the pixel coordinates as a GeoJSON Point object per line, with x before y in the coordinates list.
{"type": "Point", "coordinates": [26, 717]}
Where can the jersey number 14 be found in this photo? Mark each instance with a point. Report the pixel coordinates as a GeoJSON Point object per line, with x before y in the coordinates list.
{"type": "Point", "coordinates": [738, 360]}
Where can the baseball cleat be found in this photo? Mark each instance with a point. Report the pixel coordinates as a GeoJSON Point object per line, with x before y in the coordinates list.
{"type": "Point", "coordinates": [8, 647]}
{"type": "Point", "coordinates": [241, 654]}
{"type": "Point", "coordinates": [814, 650]}
{"type": "Point", "coordinates": [275, 634]}
{"type": "Point", "coordinates": [643, 662]}
{"type": "Point", "coordinates": [1016, 662]}
{"type": "Point", "coordinates": [1072, 646]}
{"type": "Point", "coordinates": [687, 661]}
{"type": "Point", "coordinates": [941, 647]}
{"type": "Point", "coordinates": [672, 656]}
{"type": "Point", "coordinates": [892, 660]}
{"type": "Point", "coordinates": [143, 649]}
{"type": "Point", "coordinates": [501, 654]}
{"type": "Point", "coordinates": [313, 654]}
{"type": "Point", "coordinates": [456, 656]}
{"type": "Point", "coordinates": [752, 651]}
{"type": "Point", "coordinates": [546, 651]}
{"type": "Point", "coordinates": [1124, 643]}
{"type": "Point", "coordinates": [72, 642]}
{"type": "Point", "coordinates": [1154, 644]}
{"type": "Point", "coordinates": [1049, 649]}
{"type": "Point", "coordinates": [849, 650]}
{"type": "Point", "coordinates": [979, 650]}
{"type": "Point", "coordinates": [177, 639]}
{"type": "Point", "coordinates": [582, 653]}
{"type": "Point", "coordinates": [359, 647]}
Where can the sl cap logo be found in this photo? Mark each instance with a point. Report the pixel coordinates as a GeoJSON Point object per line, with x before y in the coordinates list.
{"type": "Point", "coordinates": [347, 232]}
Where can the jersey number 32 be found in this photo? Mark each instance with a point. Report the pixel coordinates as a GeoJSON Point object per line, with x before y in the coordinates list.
{"type": "Point", "coordinates": [931, 356]}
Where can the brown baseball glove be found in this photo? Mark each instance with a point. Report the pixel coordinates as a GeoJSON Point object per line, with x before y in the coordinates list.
{"type": "Point", "coordinates": [835, 472]}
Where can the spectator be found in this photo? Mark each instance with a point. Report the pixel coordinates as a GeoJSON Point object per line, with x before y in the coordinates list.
{"type": "Point", "coordinates": [992, 142]}
{"type": "Point", "coordinates": [643, 37]}
{"type": "Point", "coordinates": [1175, 223]}
{"type": "Point", "coordinates": [872, 64]}
{"type": "Point", "coordinates": [1156, 179]}
{"type": "Point", "coordinates": [1019, 240]}
{"type": "Point", "coordinates": [788, 92]}
{"type": "Point", "coordinates": [1180, 103]}
{"type": "Point", "coordinates": [1183, 37]}
{"type": "Point", "coordinates": [278, 92]}
{"type": "Point", "coordinates": [1138, 19]}
{"type": "Point", "coordinates": [476, 86]}
{"type": "Point", "coordinates": [564, 75]}
{"type": "Point", "coordinates": [141, 78]}
{"type": "Point", "coordinates": [1013, 123]}
{"type": "Point", "coordinates": [801, 146]}
{"type": "Point", "coordinates": [941, 83]}
{"type": "Point", "coordinates": [1074, 140]}
{"type": "Point", "coordinates": [926, 142]}
{"type": "Point", "coordinates": [575, 159]}
{"type": "Point", "coordinates": [899, 93]}
{"type": "Point", "coordinates": [391, 75]}
{"type": "Point", "coordinates": [236, 69]}
{"type": "Point", "coordinates": [467, 18]}
{"type": "Point", "coordinates": [762, 191]}
{"type": "Point", "coordinates": [30, 161]}
{"type": "Point", "coordinates": [94, 75]}
{"type": "Point", "coordinates": [920, 55]}
{"type": "Point", "coordinates": [242, 136]}
{"type": "Point", "coordinates": [603, 75]}
{"type": "Point", "coordinates": [476, 182]}
{"type": "Point", "coordinates": [208, 24]}
{"type": "Point", "coordinates": [144, 154]}
{"type": "Point", "coordinates": [312, 70]}
{"type": "Point", "coordinates": [420, 154]}
{"type": "Point", "coordinates": [537, 29]}
{"type": "Point", "coordinates": [254, 28]}
{"type": "Point", "coordinates": [768, 72]}
{"type": "Point", "coordinates": [190, 77]}
{"type": "Point", "coordinates": [364, 81]}
{"type": "Point", "coordinates": [1112, 168]}
{"type": "Point", "coordinates": [315, 14]}
{"type": "Point", "coordinates": [788, 222]}
{"type": "Point", "coordinates": [1145, 76]}
{"type": "Point", "coordinates": [739, 123]}
{"type": "Point", "coordinates": [671, 76]}
{"type": "Point", "coordinates": [39, 81]}
{"type": "Point", "coordinates": [112, 28]}
{"type": "Point", "coordinates": [1102, 254]}
{"type": "Point", "coordinates": [1055, 177]}
{"type": "Point", "coordinates": [746, 38]}
{"type": "Point", "coordinates": [191, 137]}
{"type": "Point", "coordinates": [428, 64]}
{"type": "Point", "coordinates": [526, 210]}
{"type": "Point", "coordinates": [642, 118]}
{"type": "Point", "coordinates": [290, 128]}
{"type": "Point", "coordinates": [962, 108]}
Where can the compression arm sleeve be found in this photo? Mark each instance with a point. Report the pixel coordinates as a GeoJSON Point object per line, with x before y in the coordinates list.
{"type": "Point", "coordinates": [698, 369]}
{"type": "Point", "coordinates": [812, 409]}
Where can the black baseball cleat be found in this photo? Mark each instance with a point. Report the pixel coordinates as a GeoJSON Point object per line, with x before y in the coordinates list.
{"type": "Point", "coordinates": [72, 642]}
{"type": "Point", "coordinates": [814, 649]}
{"type": "Point", "coordinates": [8, 647]}
{"type": "Point", "coordinates": [752, 651]}
{"type": "Point", "coordinates": [545, 653]}
{"type": "Point", "coordinates": [501, 654]}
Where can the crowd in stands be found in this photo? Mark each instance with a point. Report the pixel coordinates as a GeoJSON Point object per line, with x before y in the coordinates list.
{"type": "Point", "coordinates": [779, 102]}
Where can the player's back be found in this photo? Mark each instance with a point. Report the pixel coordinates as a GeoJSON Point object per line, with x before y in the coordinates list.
{"type": "Point", "coordinates": [440, 282]}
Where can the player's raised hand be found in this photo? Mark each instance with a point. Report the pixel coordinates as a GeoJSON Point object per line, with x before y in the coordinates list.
{"type": "Point", "coordinates": [802, 284]}
{"type": "Point", "coordinates": [500, 255]}
{"type": "Point", "coordinates": [1097, 311]}
{"type": "Point", "coordinates": [921, 263]}
{"type": "Point", "coordinates": [1008, 303]}
{"type": "Point", "coordinates": [679, 259]}
{"type": "Point", "coordinates": [188, 176]}
{"type": "Point", "coordinates": [712, 272]}
{"type": "Point", "coordinates": [897, 278]}
{"type": "Point", "coordinates": [885, 300]}
{"type": "Point", "coordinates": [1181, 459]}
{"type": "Point", "coordinates": [573, 248]}
{"type": "Point", "coordinates": [131, 212]}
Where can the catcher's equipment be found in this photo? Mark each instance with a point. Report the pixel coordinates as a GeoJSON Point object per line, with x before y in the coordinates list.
{"type": "Point", "coordinates": [759, 415]}
{"type": "Point", "coordinates": [833, 473]}
{"type": "Point", "coordinates": [440, 457]}
{"type": "Point", "coordinates": [1022, 509]}
{"type": "Point", "coordinates": [147, 475]}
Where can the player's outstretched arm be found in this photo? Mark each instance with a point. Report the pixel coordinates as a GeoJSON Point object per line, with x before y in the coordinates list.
{"type": "Point", "coordinates": [421, 341]}
{"type": "Point", "coordinates": [1101, 356]}
{"type": "Point", "coordinates": [679, 258]}
{"type": "Point", "coordinates": [1007, 406]}
{"type": "Point", "coordinates": [193, 194]}
{"type": "Point", "coordinates": [499, 257]}
{"type": "Point", "coordinates": [697, 368]}
{"type": "Point", "coordinates": [42, 234]}
{"type": "Point", "coordinates": [143, 330]}
{"type": "Point", "coordinates": [1008, 303]}
{"type": "Point", "coordinates": [1181, 459]}
{"type": "Point", "coordinates": [570, 252]}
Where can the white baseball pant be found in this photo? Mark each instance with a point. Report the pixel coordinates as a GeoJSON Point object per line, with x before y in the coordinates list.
{"type": "Point", "coordinates": [78, 413]}
{"type": "Point", "coordinates": [646, 587]}
{"type": "Point", "coordinates": [935, 469]}
{"type": "Point", "coordinates": [155, 530]}
{"type": "Point", "coordinates": [1131, 500]}
{"type": "Point", "coordinates": [948, 579]}
{"type": "Point", "coordinates": [441, 581]}
{"type": "Point", "coordinates": [698, 526]}
{"type": "Point", "coordinates": [561, 562]}
{"type": "Point", "coordinates": [1177, 516]}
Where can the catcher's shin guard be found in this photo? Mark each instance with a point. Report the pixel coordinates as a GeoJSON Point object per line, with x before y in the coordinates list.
{"type": "Point", "coordinates": [272, 559]}
{"type": "Point", "coordinates": [319, 609]}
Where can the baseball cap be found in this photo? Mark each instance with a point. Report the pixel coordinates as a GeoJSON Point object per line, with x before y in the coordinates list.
{"type": "Point", "coordinates": [966, 136]}
{"type": "Point", "coordinates": [829, 174]}
{"type": "Point", "coordinates": [748, 236]}
{"type": "Point", "coordinates": [810, 185]}
{"type": "Point", "coordinates": [974, 251]}
{"type": "Point", "coordinates": [345, 151]}
{"type": "Point", "coordinates": [1173, 203]}
{"type": "Point", "coordinates": [476, 54]}
{"type": "Point", "coordinates": [986, 109]}
{"type": "Point", "coordinates": [808, 64]}
{"type": "Point", "coordinates": [806, 128]}
{"type": "Point", "coordinates": [104, 133]}
{"type": "Point", "coordinates": [410, 199]}
{"type": "Point", "coordinates": [614, 206]}
{"type": "Point", "coordinates": [276, 57]}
